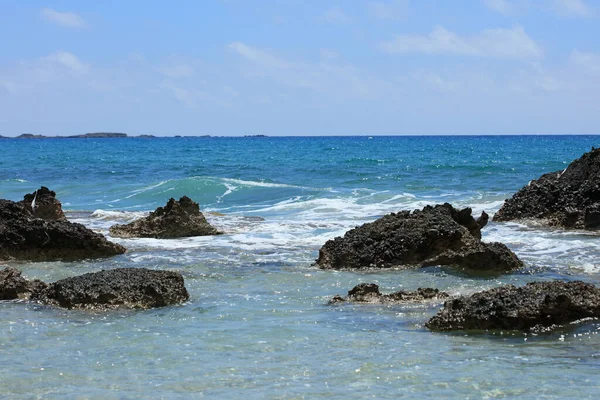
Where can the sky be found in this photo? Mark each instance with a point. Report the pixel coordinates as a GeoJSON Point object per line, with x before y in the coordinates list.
{"type": "Point", "coordinates": [300, 67]}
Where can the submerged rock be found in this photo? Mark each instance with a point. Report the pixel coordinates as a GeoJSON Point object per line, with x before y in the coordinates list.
{"type": "Point", "coordinates": [116, 288]}
{"type": "Point", "coordinates": [567, 199]}
{"type": "Point", "coordinates": [369, 293]}
{"type": "Point", "coordinates": [439, 235]}
{"type": "Point", "coordinates": [44, 204]}
{"type": "Point", "coordinates": [25, 237]}
{"type": "Point", "coordinates": [538, 305]}
{"type": "Point", "coordinates": [176, 219]}
{"type": "Point", "coordinates": [13, 286]}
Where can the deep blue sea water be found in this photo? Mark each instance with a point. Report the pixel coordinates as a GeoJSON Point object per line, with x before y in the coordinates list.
{"type": "Point", "coordinates": [258, 324]}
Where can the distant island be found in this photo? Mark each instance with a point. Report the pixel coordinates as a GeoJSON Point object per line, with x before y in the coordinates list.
{"type": "Point", "coordinates": [94, 135]}
{"type": "Point", "coordinates": [109, 135]}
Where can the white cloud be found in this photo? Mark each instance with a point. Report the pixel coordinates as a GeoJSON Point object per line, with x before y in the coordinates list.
{"type": "Point", "coordinates": [503, 7]}
{"type": "Point", "coordinates": [68, 60]}
{"type": "Point", "coordinates": [496, 43]}
{"type": "Point", "coordinates": [258, 56]}
{"type": "Point", "coordinates": [336, 15]}
{"type": "Point", "coordinates": [67, 19]}
{"type": "Point", "coordinates": [177, 71]}
{"type": "Point", "coordinates": [588, 61]}
{"type": "Point", "coordinates": [572, 8]}
{"type": "Point", "coordinates": [396, 9]}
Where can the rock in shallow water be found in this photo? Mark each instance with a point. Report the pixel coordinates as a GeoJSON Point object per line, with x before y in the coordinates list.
{"type": "Point", "coordinates": [116, 288]}
{"type": "Point", "coordinates": [26, 237]}
{"type": "Point", "coordinates": [13, 286]}
{"type": "Point", "coordinates": [369, 293]}
{"type": "Point", "coordinates": [534, 306]}
{"type": "Point", "coordinates": [568, 199]}
{"type": "Point", "coordinates": [176, 219]}
{"type": "Point", "coordinates": [439, 235]}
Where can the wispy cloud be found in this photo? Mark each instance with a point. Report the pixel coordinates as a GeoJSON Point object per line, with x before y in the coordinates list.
{"type": "Point", "coordinates": [177, 71]}
{"type": "Point", "coordinates": [397, 9]}
{"type": "Point", "coordinates": [68, 60]}
{"type": "Point", "coordinates": [67, 19]}
{"type": "Point", "coordinates": [335, 15]}
{"type": "Point", "coordinates": [503, 7]}
{"type": "Point", "coordinates": [588, 61]}
{"type": "Point", "coordinates": [571, 8]}
{"type": "Point", "coordinates": [495, 43]}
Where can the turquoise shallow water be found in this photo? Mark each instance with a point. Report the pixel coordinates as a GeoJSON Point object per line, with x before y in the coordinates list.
{"type": "Point", "coordinates": [258, 324]}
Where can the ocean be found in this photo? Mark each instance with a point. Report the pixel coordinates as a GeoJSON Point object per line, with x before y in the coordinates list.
{"type": "Point", "coordinates": [258, 324]}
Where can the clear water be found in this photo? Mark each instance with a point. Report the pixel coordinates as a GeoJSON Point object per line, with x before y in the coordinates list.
{"type": "Point", "coordinates": [258, 324]}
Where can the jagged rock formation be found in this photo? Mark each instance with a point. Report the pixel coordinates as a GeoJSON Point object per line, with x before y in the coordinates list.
{"type": "Point", "coordinates": [46, 205]}
{"type": "Point", "coordinates": [369, 293]}
{"type": "Point", "coordinates": [567, 199]}
{"type": "Point", "coordinates": [439, 235]}
{"type": "Point", "coordinates": [176, 219]}
{"type": "Point", "coordinates": [25, 237]}
{"type": "Point", "coordinates": [537, 306]}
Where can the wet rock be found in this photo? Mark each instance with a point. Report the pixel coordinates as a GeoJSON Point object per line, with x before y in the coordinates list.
{"type": "Point", "coordinates": [116, 288]}
{"type": "Point", "coordinates": [13, 286]}
{"type": "Point", "coordinates": [536, 306]}
{"type": "Point", "coordinates": [25, 237]}
{"type": "Point", "coordinates": [46, 205]}
{"type": "Point", "coordinates": [439, 235]}
{"type": "Point", "coordinates": [176, 219]}
{"type": "Point", "coordinates": [567, 199]}
{"type": "Point", "coordinates": [369, 293]}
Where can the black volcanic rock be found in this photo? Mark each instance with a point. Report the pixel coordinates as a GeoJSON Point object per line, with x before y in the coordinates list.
{"type": "Point", "coordinates": [567, 199]}
{"type": "Point", "coordinates": [439, 235]}
{"type": "Point", "coordinates": [13, 286]}
{"type": "Point", "coordinates": [536, 306]}
{"type": "Point", "coordinates": [25, 237]}
{"type": "Point", "coordinates": [176, 219]}
{"type": "Point", "coordinates": [369, 293]}
{"type": "Point", "coordinates": [116, 288]}
{"type": "Point", "coordinates": [47, 205]}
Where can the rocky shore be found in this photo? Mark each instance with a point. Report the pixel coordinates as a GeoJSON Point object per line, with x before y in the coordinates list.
{"type": "Point", "coordinates": [536, 306]}
{"type": "Point", "coordinates": [29, 232]}
{"type": "Point", "coordinates": [438, 235]}
{"type": "Point", "coordinates": [178, 218]}
{"type": "Point", "coordinates": [104, 290]}
{"type": "Point", "coordinates": [566, 199]}
{"type": "Point", "coordinates": [369, 293]}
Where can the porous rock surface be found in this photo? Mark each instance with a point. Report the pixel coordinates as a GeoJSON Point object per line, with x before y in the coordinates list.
{"type": "Point", "coordinates": [436, 235]}
{"type": "Point", "coordinates": [369, 293]}
{"type": "Point", "coordinates": [23, 236]}
{"type": "Point", "coordinates": [178, 218]}
{"type": "Point", "coordinates": [116, 288]}
{"type": "Point", "coordinates": [46, 205]}
{"type": "Point", "coordinates": [13, 286]}
{"type": "Point", "coordinates": [567, 199]}
{"type": "Point", "coordinates": [535, 306]}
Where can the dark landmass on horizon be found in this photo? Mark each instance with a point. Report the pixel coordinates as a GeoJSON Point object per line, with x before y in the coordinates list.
{"type": "Point", "coordinates": [109, 135]}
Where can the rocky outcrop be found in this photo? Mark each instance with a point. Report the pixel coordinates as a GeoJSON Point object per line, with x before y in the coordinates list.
{"type": "Point", "coordinates": [536, 306]}
{"type": "Point", "coordinates": [13, 286]}
{"type": "Point", "coordinates": [44, 204]}
{"type": "Point", "coordinates": [176, 219]}
{"type": "Point", "coordinates": [568, 199]}
{"type": "Point", "coordinates": [439, 235]}
{"type": "Point", "coordinates": [116, 288]}
{"type": "Point", "coordinates": [25, 237]}
{"type": "Point", "coordinates": [369, 293]}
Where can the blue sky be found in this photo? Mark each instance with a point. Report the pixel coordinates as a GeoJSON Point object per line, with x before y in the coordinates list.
{"type": "Point", "coordinates": [291, 67]}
